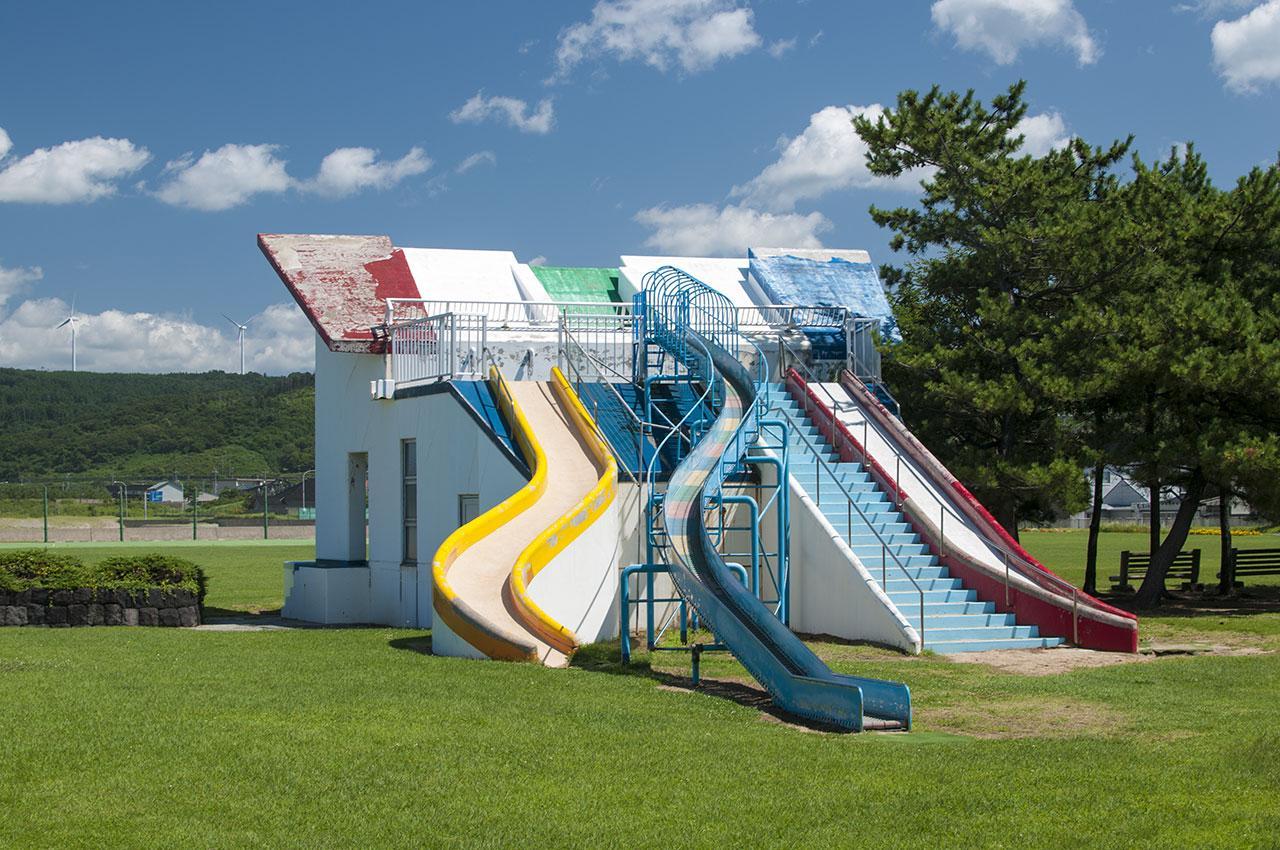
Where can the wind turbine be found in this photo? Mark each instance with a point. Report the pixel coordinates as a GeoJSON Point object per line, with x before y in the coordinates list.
{"type": "Point", "coordinates": [240, 329]}
{"type": "Point", "coordinates": [71, 320]}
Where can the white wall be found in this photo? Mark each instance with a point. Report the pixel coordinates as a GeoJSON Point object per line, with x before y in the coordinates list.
{"type": "Point", "coordinates": [455, 456]}
{"type": "Point", "coordinates": [726, 276]}
{"type": "Point", "coordinates": [578, 588]}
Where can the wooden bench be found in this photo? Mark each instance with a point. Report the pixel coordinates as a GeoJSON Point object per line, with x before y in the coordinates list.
{"type": "Point", "coordinates": [1134, 565]}
{"type": "Point", "coordinates": [1255, 562]}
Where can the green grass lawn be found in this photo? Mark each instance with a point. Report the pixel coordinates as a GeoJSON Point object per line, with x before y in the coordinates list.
{"type": "Point", "coordinates": [355, 737]}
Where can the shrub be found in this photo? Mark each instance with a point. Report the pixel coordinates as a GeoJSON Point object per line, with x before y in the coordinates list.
{"type": "Point", "coordinates": [30, 568]}
{"type": "Point", "coordinates": [37, 568]}
{"type": "Point", "coordinates": [152, 570]}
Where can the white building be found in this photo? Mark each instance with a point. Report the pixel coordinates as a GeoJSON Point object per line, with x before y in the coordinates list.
{"type": "Point", "coordinates": [409, 443]}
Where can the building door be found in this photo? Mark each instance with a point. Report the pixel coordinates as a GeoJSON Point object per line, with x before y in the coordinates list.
{"type": "Point", "coordinates": [357, 506]}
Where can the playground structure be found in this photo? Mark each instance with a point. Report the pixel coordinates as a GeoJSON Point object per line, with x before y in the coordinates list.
{"type": "Point", "coordinates": [675, 447]}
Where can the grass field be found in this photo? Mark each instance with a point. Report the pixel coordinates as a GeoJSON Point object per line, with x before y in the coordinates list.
{"type": "Point", "coordinates": [344, 737]}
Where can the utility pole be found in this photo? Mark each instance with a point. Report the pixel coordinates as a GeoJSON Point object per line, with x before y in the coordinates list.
{"type": "Point", "coordinates": [120, 501]}
{"type": "Point", "coordinates": [46, 514]}
{"type": "Point", "coordinates": [264, 511]}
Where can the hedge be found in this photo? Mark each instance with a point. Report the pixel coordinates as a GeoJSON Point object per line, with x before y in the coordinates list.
{"type": "Point", "coordinates": [29, 569]}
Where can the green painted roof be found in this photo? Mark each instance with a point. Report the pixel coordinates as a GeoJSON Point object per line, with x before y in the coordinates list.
{"type": "Point", "coordinates": [566, 283]}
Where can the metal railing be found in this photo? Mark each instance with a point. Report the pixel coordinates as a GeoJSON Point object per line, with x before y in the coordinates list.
{"type": "Point", "coordinates": [851, 506]}
{"type": "Point", "coordinates": [445, 346]}
{"type": "Point", "coordinates": [861, 355]}
{"type": "Point", "coordinates": [1025, 568]}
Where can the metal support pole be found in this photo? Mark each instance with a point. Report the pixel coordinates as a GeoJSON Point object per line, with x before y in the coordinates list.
{"type": "Point", "coordinates": [46, 513]}
{"type": "Point", "coordinates": [195, 510]}
{"type": "Point", "coordinates": [265, 535]}
{"type": "Point", "coordinates": [122, 495]}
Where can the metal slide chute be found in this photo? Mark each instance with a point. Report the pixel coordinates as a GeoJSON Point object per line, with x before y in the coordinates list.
{"type": "Point", "coordinates": [698, 327]}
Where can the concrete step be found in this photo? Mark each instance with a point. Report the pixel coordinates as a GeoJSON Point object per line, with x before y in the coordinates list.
{"type": "Point", "coordinates": [956, 621]}
{"type": "Point", "coordinates": [948, 647]}
{"type": "Point", "coordinates": [905, 585]}
{"type": "Point", "coordinates": [904, 597]}
{"type": "Point", "coordinates": [934, 633]}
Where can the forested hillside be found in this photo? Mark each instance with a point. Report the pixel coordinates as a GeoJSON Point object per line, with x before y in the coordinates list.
{"type": "Point", "coordinates": [132, 425]}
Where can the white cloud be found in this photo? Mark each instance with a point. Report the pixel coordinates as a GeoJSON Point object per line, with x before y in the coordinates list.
{"type": "Point", "coordinates": [72, 172]}
{"type": "Point", "coordinates": [510, 109]}
{"type": "Point", "coordinates": [1042, 133]}
{"type": "Point", "coordinates": [828, 156]}
{"type": "Point", "coordinates": [15, 280]}
{"type": "Point", "coordinates": [346, 171]}
{"type": "Point", "coordinates": [781, 47]}
{"type": "Point", "coordinates": [703, 229]}
{"type": "Point", "coordinates": [224, 178]}
{"type": "Point", "coordinates": [279, 340]}
{"type": "Point", "coordinates": [1213, 8]}
{"type": "Point", "coordinates": [1003, 28]}
{"type": "Point", "coordinates": [691, 34]}
{"type": "Point", "coordinates": [1246, 51]}
{"type": "Point", "coordinates": [477, 159]}
{"type": "Point", "coordinates": [538, 261]}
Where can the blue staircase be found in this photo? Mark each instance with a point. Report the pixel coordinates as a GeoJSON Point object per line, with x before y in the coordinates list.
{"type": "Point", "coordinates": [955, 620]}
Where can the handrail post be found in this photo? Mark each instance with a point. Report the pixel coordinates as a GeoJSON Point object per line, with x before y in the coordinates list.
{"type": "Point", "coordinates": [1075, 617]}
{"type": "Point", "coordinates": [942, 531]}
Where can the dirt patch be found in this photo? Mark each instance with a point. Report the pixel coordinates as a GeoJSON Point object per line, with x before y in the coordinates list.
{"type": "Point", "coordinates": [1039, 717]}
{"type": "Point", "coordinates": [1051, 662]}
{"type": "Point", "coordinates": [1045, 662]}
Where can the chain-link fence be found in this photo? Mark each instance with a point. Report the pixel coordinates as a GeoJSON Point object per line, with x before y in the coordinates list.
{"type": "Point", "coordinates": [71, 509]}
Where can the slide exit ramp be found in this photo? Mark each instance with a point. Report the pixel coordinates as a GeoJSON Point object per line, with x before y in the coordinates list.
{"type": "Point", "coordinates": [698, 327]}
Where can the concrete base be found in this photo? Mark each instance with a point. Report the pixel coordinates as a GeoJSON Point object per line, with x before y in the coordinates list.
{"type": "Point", "coordinates": [329, 592]}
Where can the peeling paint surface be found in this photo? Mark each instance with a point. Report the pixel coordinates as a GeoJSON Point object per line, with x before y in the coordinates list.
{"type": "Point", "coordinates": [341, 283]}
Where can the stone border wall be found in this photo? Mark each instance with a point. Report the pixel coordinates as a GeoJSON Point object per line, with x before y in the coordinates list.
{"type": "Point", "coordinates": [89, 606]}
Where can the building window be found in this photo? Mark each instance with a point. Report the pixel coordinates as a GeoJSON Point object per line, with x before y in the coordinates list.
{"type": "Point", "coordinates": [409, 498]}
{"type": "Point", "coordinates": [468, 507]}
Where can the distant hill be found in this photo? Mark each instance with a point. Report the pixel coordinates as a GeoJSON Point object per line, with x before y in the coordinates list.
{"type": "Point", "coordinates": [139, 426]}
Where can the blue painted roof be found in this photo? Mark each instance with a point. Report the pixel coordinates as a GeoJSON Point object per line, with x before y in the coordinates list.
{"type": "Point", "coordinates": [480, 397]}
{"type": "Point", "coordinates": [833, 282]}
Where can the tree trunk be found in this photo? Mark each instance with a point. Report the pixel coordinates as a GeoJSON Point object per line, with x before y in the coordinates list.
{"type": "Point", "coordinates": [1007, 516]}
{"type": "Point", "coordinates": [1154, 534]}
{"type": "Point", "coordinates": [1227, 573]}
{"type": "Point", "coordinates": [1152, 589]}
{"type": "Point", "coordinates": [1095, 528]}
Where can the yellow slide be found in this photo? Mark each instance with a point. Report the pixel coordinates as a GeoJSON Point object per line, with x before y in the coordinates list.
{"type": "Point", "coordinates": [482, 572]}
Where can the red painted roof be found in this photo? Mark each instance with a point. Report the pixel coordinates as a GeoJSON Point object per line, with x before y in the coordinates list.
{"type": "Point", "coordinates": [341, 283]}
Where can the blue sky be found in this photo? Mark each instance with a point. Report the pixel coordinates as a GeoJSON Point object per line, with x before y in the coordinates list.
{"type": "Point", "coordinates": [145, 144]}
